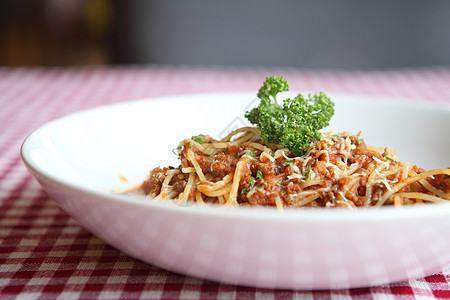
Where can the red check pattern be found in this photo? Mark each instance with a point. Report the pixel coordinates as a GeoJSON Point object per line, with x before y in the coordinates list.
{"type": "Point", "coordinates": [44, 254]}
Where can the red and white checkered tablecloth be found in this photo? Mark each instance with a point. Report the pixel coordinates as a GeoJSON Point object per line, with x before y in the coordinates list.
{"type": "Point", "coordinates": [44, 254]}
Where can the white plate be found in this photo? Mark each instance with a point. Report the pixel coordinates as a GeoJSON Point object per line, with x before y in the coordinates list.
{"type": "Point", "coordinates": [78, 159]}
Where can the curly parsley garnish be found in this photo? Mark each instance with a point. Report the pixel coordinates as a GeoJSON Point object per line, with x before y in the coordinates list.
{"type": "Point", "coordinates": [293, 125]}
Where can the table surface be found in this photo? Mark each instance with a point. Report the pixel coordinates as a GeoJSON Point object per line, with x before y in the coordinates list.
{"type": "Point", "coordinates": [45, 254]}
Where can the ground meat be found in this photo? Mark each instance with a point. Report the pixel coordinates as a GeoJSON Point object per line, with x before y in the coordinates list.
{"type": "Point", "coordinates": [441, 182]}
{"type": "Point", "coordinates": [222, 165]}
{"type": "Point", "coordinates": [152, 186]}
{"type": "Point", "coordinates": [204, 163]}
{"type": "Point", "coordinates": [180, 183]}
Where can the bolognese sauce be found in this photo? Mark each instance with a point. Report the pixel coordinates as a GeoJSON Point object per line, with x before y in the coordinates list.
{"type": "Point", "coordinates": [338, 170]}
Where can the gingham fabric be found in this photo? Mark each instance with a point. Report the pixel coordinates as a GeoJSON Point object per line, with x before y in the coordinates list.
{"type": "Point", "coordinates": [44, 254]}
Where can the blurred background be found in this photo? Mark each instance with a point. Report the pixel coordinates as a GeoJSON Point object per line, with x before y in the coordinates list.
{"type": "Point", "coordinates": [346, 34]}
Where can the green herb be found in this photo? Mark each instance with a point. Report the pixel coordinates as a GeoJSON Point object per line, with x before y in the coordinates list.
{"type": "Point", "coordinates": [294, 124]}
{"type": "Point", "coordinates": [174, 150]}
{"type": "Point", "coordinates": [288, 162]}
{"type": "Point", "coordinates": [280, 185]}
{"type": "Point", "coordinates": [199, 139]}
{"type": "Point", "coordinates": [259, 174]}
{"type": "Point", "coordinates": [360, 141]}
{"type": "Point", "coordinates": [385, 149]}
{"type": "Point", "coordinates": [387, 158]}
{"type": "Point", "coordinates": [307, 174]}
{"type": "Point", "coordinates": [250, 153]}
{"type": "Point", "coordinates": [191, 143]}
{"type": "Point", "coordinates": [272, 154]}
{"type": "Point", "coordinates": [245, 190]}
{"type": "Point", "coordinates": [251, 181]}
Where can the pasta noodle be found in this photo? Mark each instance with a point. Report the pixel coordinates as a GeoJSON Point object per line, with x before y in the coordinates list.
{"type": "Point", "coordinates": [339, 170]}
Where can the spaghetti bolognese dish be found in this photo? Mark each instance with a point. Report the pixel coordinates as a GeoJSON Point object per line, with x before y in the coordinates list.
{"type": "Point", "coordinates": [285, 161]}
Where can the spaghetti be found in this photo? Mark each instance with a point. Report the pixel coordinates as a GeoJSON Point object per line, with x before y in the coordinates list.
{"type": "Point", "coordinates": [339, 170]}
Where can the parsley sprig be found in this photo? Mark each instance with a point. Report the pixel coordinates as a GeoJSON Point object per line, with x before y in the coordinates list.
{"type": "Point", "coordinates": [295, 123]}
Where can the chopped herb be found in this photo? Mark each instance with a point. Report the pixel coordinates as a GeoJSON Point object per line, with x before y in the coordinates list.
{"type": "Point", "coordinates": [360, 141]}
{"type": "Point", "coordinates": [385, 149]}
{"type": "Point", "coordinates": [245, 190]}
{"type": "Point", "coordinates": [387, 158]}
{"type": "Point", "coordinates": [259, 174]}
{"type": "Point", "coordinates": [250, 153]}
{"type": "Point", "coordinates": [174, 150]}
{"type": "Point", "coordinates": [191, 143]}
{"type": "Point", "coordinates": [272, 154]}
{"type": "Point", "coordinates": [307, 174]}
{"type": "Point", "coordinates": [288, 162]}
{"type": "Point", "coordinates": [280, 185]}
{"type": "Point", "coordinates": [251, 181]}
{"type": "Point", "coordinates": [199, 139]}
